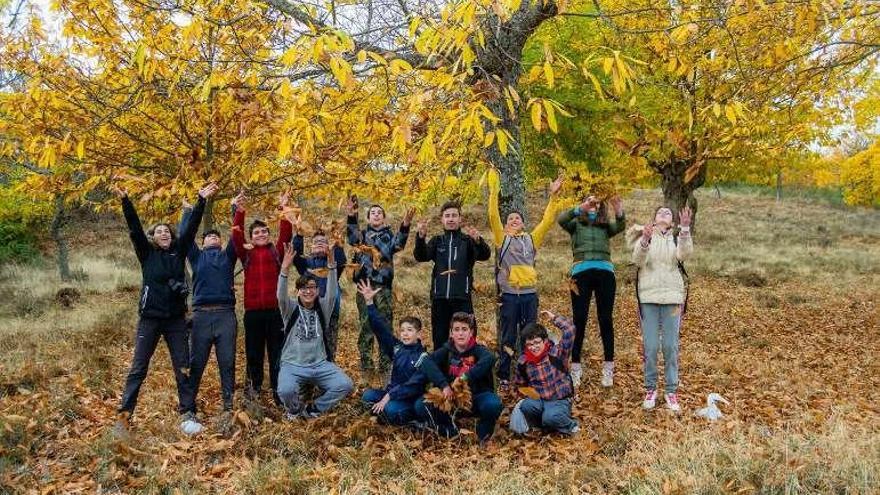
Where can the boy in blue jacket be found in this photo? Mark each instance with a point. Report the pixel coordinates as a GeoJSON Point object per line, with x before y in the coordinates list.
{"type": "Point", "coordinates": [395, 404]}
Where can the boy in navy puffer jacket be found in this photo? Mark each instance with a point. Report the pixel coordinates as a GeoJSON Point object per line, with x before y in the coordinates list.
{"type": "Point", "coordinates": [395, 404]}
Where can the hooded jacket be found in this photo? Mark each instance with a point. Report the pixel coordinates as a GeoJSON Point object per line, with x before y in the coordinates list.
{"type": "Point", "coordinates": [162, 268]}
{"type": "Point", "coordinates": [474, 363]}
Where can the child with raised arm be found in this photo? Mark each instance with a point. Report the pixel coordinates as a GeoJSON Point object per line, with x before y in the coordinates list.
{"type": "Point", "coordinates": [395, 404]}
{"type": "Point", "coordinates": [661, 292]}
{"type": "Point", "coordinates": [375, 247]}
{"type": "Point", "coordinates": [544, 367]}
{"type": "Point", "coordinates": [515, 274]}
{"type": "Point", "coordinates": [305, 346]}
{"type": "Point", "coordinates": [261, 260]}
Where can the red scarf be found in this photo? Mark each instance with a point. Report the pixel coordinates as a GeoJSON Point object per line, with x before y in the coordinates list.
{"type": "Point", "coordinates": [537, 358]}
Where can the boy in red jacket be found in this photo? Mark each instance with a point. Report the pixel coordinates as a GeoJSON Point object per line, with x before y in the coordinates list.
{"type": "Point", "coordinates": [262, 321]}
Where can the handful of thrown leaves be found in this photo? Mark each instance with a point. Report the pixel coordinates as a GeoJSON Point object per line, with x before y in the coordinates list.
{"type": "Point", "coordinates": [461, 397]}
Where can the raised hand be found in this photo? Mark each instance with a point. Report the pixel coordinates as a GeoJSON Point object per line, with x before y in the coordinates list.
{"type": "Point", "coordinates": [548, 314]}
{"type": "Point", "coordinates": [684, 217]}
{"type": "Point", "coordinates": [185, 204]}
{"type": "Point", "coordinates": [284, 199]}
{"type": "Point", "coordinates": [366, 289]}
{"type": "Point", "coordinates": [240, 201]}
{"type": "Point", "coordinates": [422, 227]}
{"type": "Point", "coordinates": [208, 190]}
{"type": "Point", "coordinates": [647, 232]}
{"type": "Point", "coordinates": [556, 185]}
{"type": "Point", "coordinates": [617, 204]}
{"type": "Point", "coordinates": [407, 218]}
{"type": "Point", "coordinates": [472, 232]}
{"type": "Point", "coordinates": [119, 191]}
{"type": "Point", "coordinates": [351, 206]}
{"type": "Point", "coordinates": [289, 253]}
{"type": "Point", "coordinates": [590, 202]}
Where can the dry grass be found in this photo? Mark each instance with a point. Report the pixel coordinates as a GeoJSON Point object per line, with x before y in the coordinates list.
{"type": "Point", "coordinates": [783, 321]}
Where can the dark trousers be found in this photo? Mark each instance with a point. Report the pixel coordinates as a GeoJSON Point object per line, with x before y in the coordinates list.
{"type": "Point", "coordinates": [441, 316]}
{"type": "Point", "coordinates": [177, 338]}
{"type": "Point", "coordinates": [218, 329]}
{"type": "Point", "coordinates": [263, 334]}
{"type": "Point", "coordinates": [396, 412]}
{"type": "Point", "coordinates": [604, 285]}
{"type": "Point", "coordinates": [517, 311]}
{"type": "Point", "coordinates": [486, 407]}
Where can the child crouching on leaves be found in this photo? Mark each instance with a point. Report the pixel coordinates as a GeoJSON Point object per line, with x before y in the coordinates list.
{"type": "Point", "coordinates": [395, 404]}
{"type": "Point", "coordinates": [462, 363]}
{"type": "Point", "coordinates": [544, 366]}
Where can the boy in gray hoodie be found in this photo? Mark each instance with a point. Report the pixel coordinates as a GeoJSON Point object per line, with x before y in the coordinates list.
{"type": "Point", "coordinates": [304, 353]}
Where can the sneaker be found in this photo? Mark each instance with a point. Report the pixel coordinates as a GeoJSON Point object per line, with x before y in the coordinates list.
{"type": "Point", "coordinates": [573, 431]}
{"type": "Point", "coordinates": [120, 427]}
{"type": "Point", "coordinates": [576, 373]}
{"type": "Point", "coordinates": [290, 417]}
{"type": "Point", "coordinates": [310, 411]}
{"type": "Point", "coordinates": [650, 400]}
{"type": "Point", "coordinates": [672, 402]}
{"type": "Point", "coordinates": [608, 374]}
{"type": "Point", "coordinates": [189, 425]}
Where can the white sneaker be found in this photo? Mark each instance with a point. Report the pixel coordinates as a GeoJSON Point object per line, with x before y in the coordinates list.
{"type": "Point", "coordinates": [576, 373]}
{"type": "Point", "coordinates": [672, 403]}
{"type": "Point", "coordinates": [607, 374]}
{"type": "Point", "coordinates": [190, 425]}
{"type": "Point", "coordinates": [650, 400]}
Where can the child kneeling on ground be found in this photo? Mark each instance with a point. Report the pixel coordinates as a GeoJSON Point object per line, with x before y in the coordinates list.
{"type": "Point", "coordinates": [461, 358]}
{"type": "Point", "coordinates": [544, 366]}
{"type": "Point", "coordinates": [395, 404]}
{"type": "Point", "coordinates": [306, 346]}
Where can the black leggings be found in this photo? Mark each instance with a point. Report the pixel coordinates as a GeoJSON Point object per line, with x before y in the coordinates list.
{"type": "Point", "coordinates": [604, 284]}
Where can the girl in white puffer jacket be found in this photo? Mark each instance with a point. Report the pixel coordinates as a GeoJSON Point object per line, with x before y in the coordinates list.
{"type": "Point", "coordinates": [658, 252]}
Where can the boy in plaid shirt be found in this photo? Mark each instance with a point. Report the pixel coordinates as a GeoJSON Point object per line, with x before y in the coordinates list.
{"type": "Point", "coordinates": [544, 366]}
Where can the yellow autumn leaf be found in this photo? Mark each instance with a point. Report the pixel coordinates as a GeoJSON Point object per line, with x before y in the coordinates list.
{"type": "Point", "coordinates": [551, 117]}
{"type": "Point", "coordinates": [548, 74]}
{"type": "Point", "coordinates": [536, 115]}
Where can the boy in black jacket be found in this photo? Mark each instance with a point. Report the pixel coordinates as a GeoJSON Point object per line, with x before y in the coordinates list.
{"type": "Point", "coordinates": [461, 358]}
{"type": "Point", "coordinates": [452, 278]}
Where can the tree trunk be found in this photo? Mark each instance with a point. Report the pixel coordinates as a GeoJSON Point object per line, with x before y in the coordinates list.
{"type": "Point", "coordinates": [779, 186]}
{"type": "Point", "coordinates": [501, 58]}
{"type": "Point", "coordinates": [62, 254]}
{"type": "Point", "coordinates": [677, 193]}
{"type": "Point", "coordinates": [510, 166]}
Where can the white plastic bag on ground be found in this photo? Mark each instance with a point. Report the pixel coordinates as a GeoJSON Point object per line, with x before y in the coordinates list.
{"type": "Point", "coordinates": [518, 422]}
{"type": "Point", "coordinates": [711, 411]}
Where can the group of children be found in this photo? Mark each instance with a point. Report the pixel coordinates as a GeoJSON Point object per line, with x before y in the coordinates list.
{"type": "Point", "coordinates": [299, 331]}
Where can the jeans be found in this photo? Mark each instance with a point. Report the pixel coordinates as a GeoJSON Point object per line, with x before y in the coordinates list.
{"type": "Point", "coordinates": [660, 330]}
{"type": "Point", "coordinates": [441, 316]}
{"type": "Point", "coordinates": [517, 311]}
{"type": "Point", "coordinates": [486, 407]}
{"type": "Point", "coordinates": [263, 335]}
{"type": "Point", "coordinates": [324, 375]}
{"type": "Point", "coordinates": [384, 302]}
{"type": "Point", "coordinates": [177, 338]}
{"type": "Point", "coordinates": [218, 329]}
{"type": "Point", "coordinates": [604, 284]}
{"type": "Point", "coordinates": [551, 415]}
{"type": "Point", "coordinates": [396, 412]}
